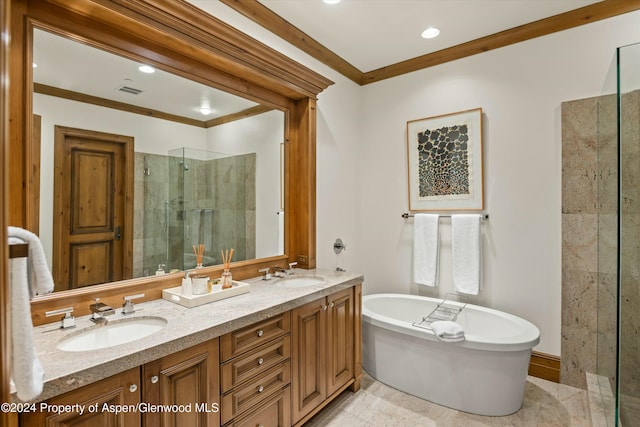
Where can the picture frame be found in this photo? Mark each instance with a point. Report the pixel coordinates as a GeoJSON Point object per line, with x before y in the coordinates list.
{"type": "Point", "coordinates": [444, 158]}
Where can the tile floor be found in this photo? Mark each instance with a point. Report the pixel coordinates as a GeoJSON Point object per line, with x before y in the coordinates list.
{"type": "Point", "coordinates": [546, 404]}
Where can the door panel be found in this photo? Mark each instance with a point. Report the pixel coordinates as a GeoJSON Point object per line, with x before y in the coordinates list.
{"type": "Point", "coordinates": [93, 183]}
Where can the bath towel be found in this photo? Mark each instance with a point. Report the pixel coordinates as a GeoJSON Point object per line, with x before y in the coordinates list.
{"type": "Point", "coordinates": [447, 331]}
{"type": "Point", "coordinates": [466, 253]}
{"type": "Point", "coordinates": [27, 373]}
{"type": "Point", "coordinates": [39, 277]}
{"type": "Point", "coordinates": [426, 245]}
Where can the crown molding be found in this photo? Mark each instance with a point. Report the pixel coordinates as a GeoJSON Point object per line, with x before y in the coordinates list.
{"type": "Point", "coordinates": [257, 12]}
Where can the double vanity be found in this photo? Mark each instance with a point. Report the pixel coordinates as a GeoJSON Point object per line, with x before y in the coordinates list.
{"type": "Point", "coordinates": [271, 357]}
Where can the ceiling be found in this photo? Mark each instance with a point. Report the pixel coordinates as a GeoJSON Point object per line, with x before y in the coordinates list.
{"type": "Point", "coordinates": [371, 34]}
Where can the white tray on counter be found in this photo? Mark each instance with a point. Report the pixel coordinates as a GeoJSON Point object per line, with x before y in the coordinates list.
{"type": "Point", "coordinates": [175, 295]}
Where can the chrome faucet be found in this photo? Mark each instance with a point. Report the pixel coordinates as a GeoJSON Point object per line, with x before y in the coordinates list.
{"type": "Point", "coordinates": [127, 307]}
{"type": "Point", "coordinates": [286, 271]}
{"type": "Point", "coordinates": [99, 310]}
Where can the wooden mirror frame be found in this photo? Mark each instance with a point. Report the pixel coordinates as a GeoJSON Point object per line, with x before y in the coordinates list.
{"type": "Point", "coordinates": [183, 40]}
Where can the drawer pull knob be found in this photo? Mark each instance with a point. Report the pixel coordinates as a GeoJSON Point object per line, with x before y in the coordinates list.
{"type": "Point", "coordinates": [154, 379]}
{"type": "Point", "coordinates": [260, 389]}
{"type": "Point", "coordinates": [324, 307]}
{"type": "Point", "coordinates": [260, 361]}
{"type": "Point", "coordinates": [332, 304]}
{"type": "Point", "coordinates": [260, 333]}
{"type": "Point", "coordinates": [133, 388]}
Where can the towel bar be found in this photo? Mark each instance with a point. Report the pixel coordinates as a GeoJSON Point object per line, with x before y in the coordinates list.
{"type": "Point", "coordinates": [484, 217]}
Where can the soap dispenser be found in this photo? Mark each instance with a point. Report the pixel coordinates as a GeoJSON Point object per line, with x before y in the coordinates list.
{"type": "Point", "coordinates": [160, 271]}
{"type": "Point", "coordinates": [187, 289]}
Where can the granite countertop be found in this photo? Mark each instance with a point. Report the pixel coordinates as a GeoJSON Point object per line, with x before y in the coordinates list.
{"type": "Point", "coordinates": [186, 327]}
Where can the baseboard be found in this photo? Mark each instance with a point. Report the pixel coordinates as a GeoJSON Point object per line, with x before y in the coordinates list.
{"type": "Point", "coordinates": [545, 366]}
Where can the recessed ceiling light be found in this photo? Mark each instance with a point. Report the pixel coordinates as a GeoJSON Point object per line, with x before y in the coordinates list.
{"type": "Point", "coordinates": [146, 69]}
{"type": "Point", "coordinates": [205, 110]}
{"type": "Point", "coordinates": [331, 1]}
{"type": "Point", "coordinates": [430, 33]}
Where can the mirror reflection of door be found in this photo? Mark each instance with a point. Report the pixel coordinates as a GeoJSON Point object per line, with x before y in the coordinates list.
{"type": "Point", "coordinates": [93, 179]}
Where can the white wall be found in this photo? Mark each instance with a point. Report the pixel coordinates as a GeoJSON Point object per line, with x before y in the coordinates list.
{"type": "Point", "coordinates": [362, 172]}
{"type": "Point", "coordinates": [262, 135]}
{"type": "Point", "coordinates": [520, 89]}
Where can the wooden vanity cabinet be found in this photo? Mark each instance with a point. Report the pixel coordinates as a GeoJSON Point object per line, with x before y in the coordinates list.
{"type": "Point", "coordinates": [255, 374]}
{"type": "Point", "coordinates": [187, 379]}
{"type": "Point", "coordinates": [324, 351]}
{"type": "Point", "coordinates": [121, 389]}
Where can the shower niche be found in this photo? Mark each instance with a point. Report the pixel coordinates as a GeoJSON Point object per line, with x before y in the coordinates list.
{"type": "Point", "coordinates": [195, 197]}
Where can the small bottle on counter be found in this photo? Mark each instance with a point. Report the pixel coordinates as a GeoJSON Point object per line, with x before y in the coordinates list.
{"type": "Point", "coordinates": [226, 279]}
{"type": "Point", "coordinates": [160, 271]}
{"type": "Point", "coordinates": [187, 289]}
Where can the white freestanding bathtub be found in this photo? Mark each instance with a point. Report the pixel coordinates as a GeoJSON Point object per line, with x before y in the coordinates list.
{"type": "Point", "coordinates": [485, 374]}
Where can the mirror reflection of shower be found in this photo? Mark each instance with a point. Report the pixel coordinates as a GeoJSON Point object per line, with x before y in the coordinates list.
{"type": "Point", "coordinates": [211, 201]}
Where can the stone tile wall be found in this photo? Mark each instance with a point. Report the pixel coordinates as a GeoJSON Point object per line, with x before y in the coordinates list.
{"type": "Point", "coordinates": [589, 240]}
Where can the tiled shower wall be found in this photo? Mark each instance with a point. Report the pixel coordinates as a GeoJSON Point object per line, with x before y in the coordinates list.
{"type": "Point", "coordinates": [589, 240]}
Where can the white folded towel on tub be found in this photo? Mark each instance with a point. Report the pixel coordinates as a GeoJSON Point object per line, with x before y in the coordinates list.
{"type": "Point", "coordinates": [447, 331]}
{"type": "Point", "coordinates": [465, 253]}
{"type": "Point", "coordinates": [426, 242]}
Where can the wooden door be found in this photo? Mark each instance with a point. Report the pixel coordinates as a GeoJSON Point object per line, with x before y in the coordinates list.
{"type": "Point", "coordinates": [93, 208]}
{"type": "Point", "coordinates": [309, 377]}
{"type": "Point", "coordinates": [340, 343]}
{"type": "Point", "coordinates": [117, 391]}
{"type": "Point", "coordinates": [189, 378]}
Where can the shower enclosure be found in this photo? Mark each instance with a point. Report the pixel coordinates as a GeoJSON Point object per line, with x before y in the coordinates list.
{"type": "Point", "coordinates": [628, 357]}
{"type": "Point", "coordinates": [618, 279]}
{"type": "Point", "coordinates": [195, 197]}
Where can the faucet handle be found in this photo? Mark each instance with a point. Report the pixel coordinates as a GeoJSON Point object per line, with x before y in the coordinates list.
{"type": "Point", "coordinates": [292, 264]}
{"type": "Point", "coordinates": [127, 307]}
{"type": "Point", "coordinates": [68, 321]}
{"type": "Point", "coordinates": [267, 274]}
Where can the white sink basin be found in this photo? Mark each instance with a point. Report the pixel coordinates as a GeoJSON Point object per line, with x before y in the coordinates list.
{"type": "Point", "coordinates": [300, 281]}
{"type": "Point", "coordinates": [113, 333]}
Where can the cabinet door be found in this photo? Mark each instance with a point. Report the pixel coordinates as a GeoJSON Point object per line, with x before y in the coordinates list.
{"type": "Point", "coordinates": [118, 391]}
{"type": "Point", "coordinates": [309, 378]}
{"type": "Point", "coordinates": [340, 327]}
{"type": "Point", "coordinates": [187, 379]}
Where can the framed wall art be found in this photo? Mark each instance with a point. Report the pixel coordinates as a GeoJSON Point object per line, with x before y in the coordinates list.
{"type": "Point", "coordinates": [444, 155]}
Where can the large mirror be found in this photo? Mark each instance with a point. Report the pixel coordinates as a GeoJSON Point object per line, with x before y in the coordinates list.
{"type": "Point", "coordinates": [135, 173]}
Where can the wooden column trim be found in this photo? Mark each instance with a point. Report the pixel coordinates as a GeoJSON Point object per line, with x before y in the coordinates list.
{"type": "Point", "coordinates": [300, 185]}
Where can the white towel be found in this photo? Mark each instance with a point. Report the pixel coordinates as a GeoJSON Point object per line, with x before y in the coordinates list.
{"type": "Point", "coordinates": [448, 331]}
{"type": "Point", "coordinates": [466, 253]}
{"type": "Point", "coordinates": [426, 243]}
{"type": "Point", "coordinates": [27, 373]}
{"type": "Point", "coordinates": [39, 277]}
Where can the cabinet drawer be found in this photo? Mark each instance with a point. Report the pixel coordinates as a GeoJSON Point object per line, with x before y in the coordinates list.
{"type": "Point", "coordinates": [254, 363]}
{"type": "Point", "coordinates": [251, 394]}
{"type": "Point", "coordinates": [237, 342]}
{"type": "Point", "coordinates": [273, 412]}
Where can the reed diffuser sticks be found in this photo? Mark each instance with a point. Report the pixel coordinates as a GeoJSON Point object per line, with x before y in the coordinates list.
{"type": "Point", "coordinates": [199, 253]}
{"type": "Point", "coordinates": [226, 258]}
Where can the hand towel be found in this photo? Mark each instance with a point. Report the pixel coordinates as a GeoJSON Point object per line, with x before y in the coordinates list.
{"type": "Point", "coordinates": [466, 253]}
{"type": "Point", "coordinates": [39, 279]}
{"type": "Point", "coordinates": [447, 331]}
{"type": "Point", "coordinates": [27, 373]}
{"type": "Point", "coordinates": [426, 243]}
